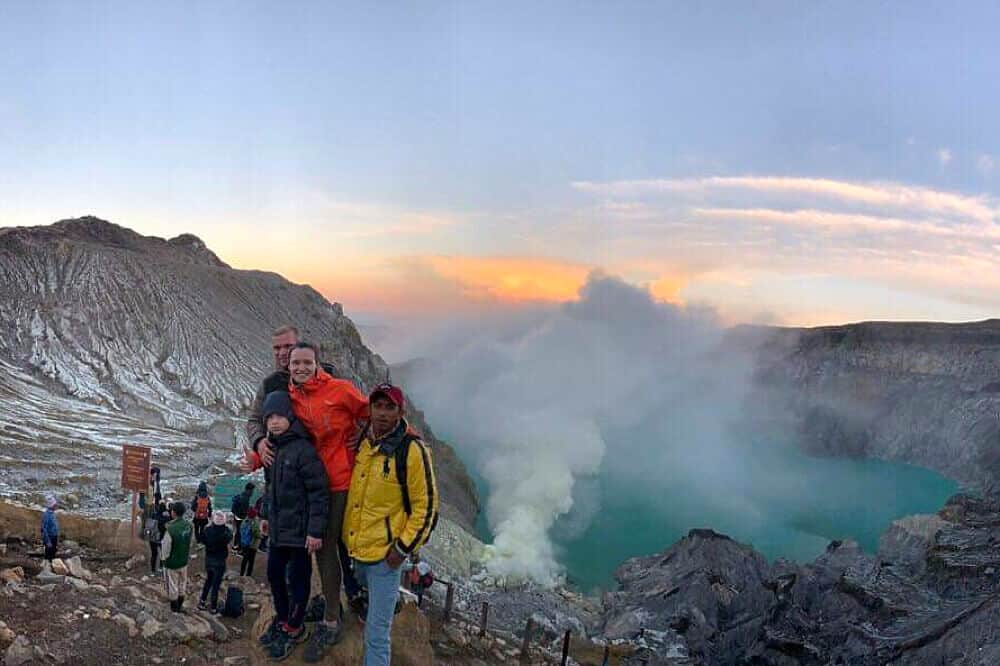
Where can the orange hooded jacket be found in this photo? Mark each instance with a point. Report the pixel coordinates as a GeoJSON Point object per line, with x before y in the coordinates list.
{"type": "Point", "coordinates": [330, 408]}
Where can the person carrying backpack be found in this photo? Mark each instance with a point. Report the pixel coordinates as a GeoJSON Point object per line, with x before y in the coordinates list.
{"type": "Point", "coordinates": [250, 541]}
{"type": "Point", "coordinates": [392, 506]}
{"type": "Point", "coordinates": [201, 509]}
{"type": "Point", "coordinates": [216, 539]}
{"type": "Point", "coordinates": [241, 507]}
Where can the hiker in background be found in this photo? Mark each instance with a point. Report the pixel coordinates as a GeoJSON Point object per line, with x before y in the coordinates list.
{"type": "Point", "coordinates": [216, 539]}
{"type": "Point", "coordinates": [201, 507]}
{"type": "Point", "coordinates": [261, 523]}
{"type": "Point", "coordinates": [250, 540]}
{"type": "Point", "coordinates": [154, 522]}
{"type": "Point", "coordinates": [296, 508]}
{"type": "Point", "coordinates": [391, 509]}
{"type": "Point", "coordinates": [419, 576]}
{"type": "Point", "coordinates": [50, 530]}
{"type": "Point", "coordinates": [241, 507]}
{"type": "Point", "coordinates": [175, 550]}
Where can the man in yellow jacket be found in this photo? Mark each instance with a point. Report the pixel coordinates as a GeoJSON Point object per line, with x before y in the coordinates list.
{"type": "Point", "coordinates": [392, 506]}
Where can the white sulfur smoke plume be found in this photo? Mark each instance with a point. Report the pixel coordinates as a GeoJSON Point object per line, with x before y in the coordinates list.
{"type": "Point", "coordinates": [536, 404]}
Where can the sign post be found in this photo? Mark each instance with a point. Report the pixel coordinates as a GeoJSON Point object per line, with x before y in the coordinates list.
{"type": "Point", "coordinates": [135, 473]}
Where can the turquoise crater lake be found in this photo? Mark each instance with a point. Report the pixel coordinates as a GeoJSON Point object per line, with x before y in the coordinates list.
{"type": "Point", "coordinates": [788, 505]}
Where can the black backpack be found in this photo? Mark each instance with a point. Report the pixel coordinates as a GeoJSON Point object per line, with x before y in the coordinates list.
{"type": "Point", "coordinates": [234, 602]}
{"type": "Point", "coordinates": [400, 455]}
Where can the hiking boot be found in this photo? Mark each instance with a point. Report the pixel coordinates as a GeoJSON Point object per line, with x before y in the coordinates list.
{"type": "Point", "coordinates": [316, 609]}
{"type": "Point", "coordinates": [324, 635]}
{"type": "Point", "coordinates": [271, 634]}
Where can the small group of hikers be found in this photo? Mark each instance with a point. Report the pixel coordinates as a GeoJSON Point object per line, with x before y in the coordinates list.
{"type": "Point", "coordinates": [347, 480]}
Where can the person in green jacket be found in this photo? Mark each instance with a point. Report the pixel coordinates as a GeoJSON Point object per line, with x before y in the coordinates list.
{"type": "Point", "coordinates": [174, 554]}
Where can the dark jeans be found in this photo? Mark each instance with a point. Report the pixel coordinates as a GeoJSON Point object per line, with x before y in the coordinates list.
{"type": "Point", "coordinates": [249, 555]}
{"type": "Point", "coordinates": [236, 531]}
{"type": "Point", "coordinates": [199, 527]}
{"type": "Point", "coordinates": [213, 579]}
{"type": "Point", "coordinates": [296, 564]}
{"type": "Point", "coordinates": [50, 550]}
{"type": "Point", "coordinates": [154, 555]}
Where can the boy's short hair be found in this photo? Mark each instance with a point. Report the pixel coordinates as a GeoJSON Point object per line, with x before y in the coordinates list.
{"type": "Point", "coordinates": [178, 508]}
{"type": "Point", "coordinates": [302, 344]}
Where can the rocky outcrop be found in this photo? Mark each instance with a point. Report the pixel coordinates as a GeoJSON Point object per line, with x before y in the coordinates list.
{"type": "Point", "coordinates": [922, 393]}
{"type": "Point", "coordinates": [930, 595]}
{"type": "Point", "coordinates": [110, 337]}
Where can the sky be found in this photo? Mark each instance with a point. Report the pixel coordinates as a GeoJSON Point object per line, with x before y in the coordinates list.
{"type": "Point", "coordinates": [786, 163]}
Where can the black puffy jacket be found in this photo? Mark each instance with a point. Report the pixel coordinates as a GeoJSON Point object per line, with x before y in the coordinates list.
{"type": "Point", "coordinates": [298, 495]}
{"type": "Point", "coordinates": [216, 539]}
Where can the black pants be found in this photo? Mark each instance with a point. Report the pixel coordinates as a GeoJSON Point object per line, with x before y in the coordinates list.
{"type": "Point", "coordinates": [236, 531]}
{"type": "Point", "coordinates": [249, 554]}
{"type": "Point", "coordinates": [213, 579]}
{"type": "Point", "coordinates": [297, 565]}
{"type": "Point", "coordinates": [199, 527]}
{"type": "Point", "coordinates": [154, 555]}
{"type": "Point", "coordinates": [50, 550]}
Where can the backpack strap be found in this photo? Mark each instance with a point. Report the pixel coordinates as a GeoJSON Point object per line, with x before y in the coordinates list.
{"type": "Point", "coordinates": [401, 453]}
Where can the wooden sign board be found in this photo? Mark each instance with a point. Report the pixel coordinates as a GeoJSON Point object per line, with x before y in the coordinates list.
{"type": "Point", "coordinates": [135, 467]}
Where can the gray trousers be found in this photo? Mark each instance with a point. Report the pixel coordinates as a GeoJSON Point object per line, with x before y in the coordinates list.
{"type": "Point", "coordinates": [328, 557]}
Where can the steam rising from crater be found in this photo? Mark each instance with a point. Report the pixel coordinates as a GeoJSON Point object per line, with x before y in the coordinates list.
{"type": "Point", "coordinates": [541, 402]}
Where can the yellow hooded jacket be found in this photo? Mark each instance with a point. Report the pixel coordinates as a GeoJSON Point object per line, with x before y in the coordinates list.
{"type": "Point", "coordinates": [375, 520]}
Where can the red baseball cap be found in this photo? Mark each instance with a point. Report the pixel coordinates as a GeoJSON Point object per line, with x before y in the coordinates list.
{"type": "Point", "coordinates": [394, 393]}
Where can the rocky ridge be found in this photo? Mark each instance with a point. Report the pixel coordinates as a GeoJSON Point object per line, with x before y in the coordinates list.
{"type": "Point", "coordinates": [927, 394]}
{"type": "Point", "coordinates": [111, 337]}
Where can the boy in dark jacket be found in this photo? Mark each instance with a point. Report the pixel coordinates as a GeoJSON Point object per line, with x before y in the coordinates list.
{"type": "Point", "coordinates": [296, 511]}
{"type": "Point", "coordinates": [216, 539]}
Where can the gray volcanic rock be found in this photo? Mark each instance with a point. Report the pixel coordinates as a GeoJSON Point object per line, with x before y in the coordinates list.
{"type": "Point", "coordinates": [923, 393]}
{"type": "Point", "coordinates": [111, 337]}
{"type": "Point", "coordinates": [931, 595]}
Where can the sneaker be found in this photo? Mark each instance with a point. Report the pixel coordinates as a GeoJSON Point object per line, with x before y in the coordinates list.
{"type": "Point", "coordinates": [324, 635]}
{"type": "Point", "coordinates": [300, 636]}
{"type": "Point", "coordinates": [286, 641]}
{"type": "Point", "coordinates": [202, 605]}
{"type": "Point", "coordinates": [281, 647]}
{"type": "Point", "coordinates": [315, 609]}
{"type": "Point", "coordinates": [215, 610]}
{"type": "Point", "coordinates": [270, 635]}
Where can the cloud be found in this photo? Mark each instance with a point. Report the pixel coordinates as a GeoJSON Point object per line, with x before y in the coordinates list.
{"type": "Point", "coordinates": [894, 196]}
{"type": "Point", "coordinates": [944, 156]}
{"type": "Point", "coordinates": [852, 223]}
{"type": "Point", "coordinates": [938, 246]}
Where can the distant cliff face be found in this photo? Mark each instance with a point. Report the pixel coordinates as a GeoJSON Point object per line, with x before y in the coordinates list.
{"type": "Point", "coordinates": [107, 336]}
{"type": "Point", "coordinates": [923, 393]}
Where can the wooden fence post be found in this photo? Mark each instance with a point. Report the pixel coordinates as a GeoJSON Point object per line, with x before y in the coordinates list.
{"type": "Point", "coordinates": [482, 618]}
{"type": "Point", "coordinates": [528, 626]}
{"type": "Point", "coordinates": [449, 599]}
{"type": "Point", "coordinates": [565, 655]}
